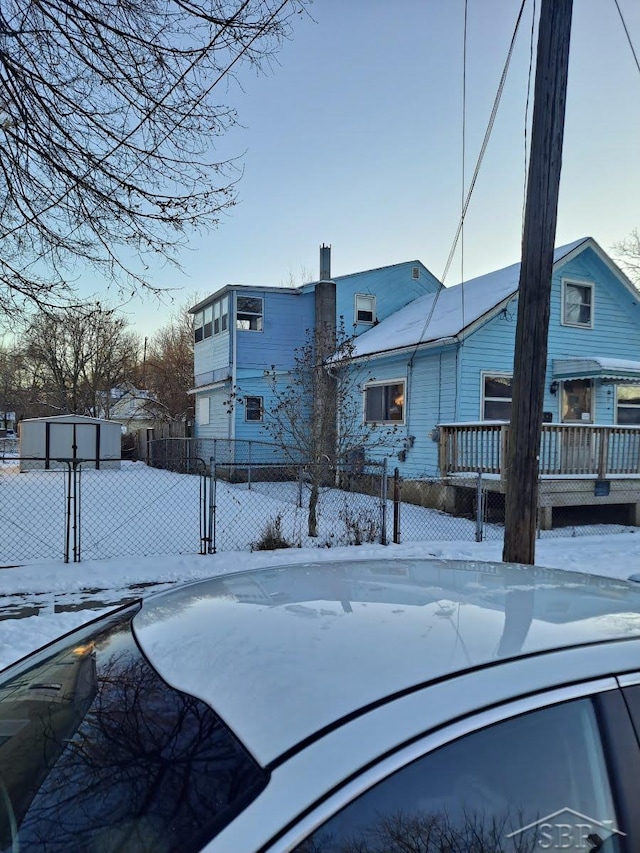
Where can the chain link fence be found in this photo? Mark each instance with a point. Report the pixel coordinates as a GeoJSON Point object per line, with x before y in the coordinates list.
{"type": "Point", "coordinates": [266, 506]}
{"type": "Point", "coordinates": [33, 513]}
{"type": "Point", "coordinates": [215, 495]}
{"type": "Point", "coordinates": [75, 511]}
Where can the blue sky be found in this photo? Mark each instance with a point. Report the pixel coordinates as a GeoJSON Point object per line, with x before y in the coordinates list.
{"type": "Point", "coordinates": [354, 138]}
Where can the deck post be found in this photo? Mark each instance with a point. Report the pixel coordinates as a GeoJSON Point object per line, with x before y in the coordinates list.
{"type": "Point", "coordinates": [504, 450]}
{"type": "Point", "coordinates": [604, 454]}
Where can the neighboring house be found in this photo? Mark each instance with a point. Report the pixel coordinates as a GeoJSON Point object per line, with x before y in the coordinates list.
{"type": "Point", "coordinates": [135, 408]}
{"type": "Point", "coordinates": [443, 367]}
{"type": "Point", "coordinates": [241, 331]}
{"type": "Point", "coordinates": [7, 424]}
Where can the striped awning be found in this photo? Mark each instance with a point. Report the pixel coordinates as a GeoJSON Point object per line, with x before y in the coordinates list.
{"type": "Point", "coordinates": [605, 369]}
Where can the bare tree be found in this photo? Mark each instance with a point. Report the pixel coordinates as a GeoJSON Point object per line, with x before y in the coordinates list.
{"type": "Point", "coordinates": [108, 115]}
{"type": "Point", "coordinates": [13, 384]}
{"type": "Point", "coordinates": [314, 413]}
{"type": "Point", "coordinates": [627, 253]}
{"type": "Point", "coordinates": [79, 356]}
{"type": "Point", "coordinates": [168, 365]}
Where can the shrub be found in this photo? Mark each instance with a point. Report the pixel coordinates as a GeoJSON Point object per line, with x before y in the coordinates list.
{"type": "Point", "coordinates": [272, 536]}
{"type": "Point", "coordinates": [362, 526]}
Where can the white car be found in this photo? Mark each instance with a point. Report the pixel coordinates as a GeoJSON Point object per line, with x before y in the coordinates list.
{"type": "Point", "coordinates": [389, 706]}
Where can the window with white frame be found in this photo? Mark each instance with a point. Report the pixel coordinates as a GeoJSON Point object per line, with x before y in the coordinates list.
{"type": "Point", "coordinates": [224, 313]}
{"type": "Point", "coordinates": [253, 409]}
{"type": "Point", "coordinates": [203, 411]}
{"type": "Point", "coordinates": [208, 324]}
{"type": "Point", "coordinates": [249, 313]}
{"type": "Point", "coordinates": [577, 304]}
{"type": "Point", "coordinates": [628, 404]}
{"type": "Point", "coordinates": [496, 396]}
{"type": "Point", "coordinates": [198, 322]}
{"type": "Point", "coordinates": [220, 315]}
{"type": "Point", "coordinates": [365, 308]}
{"type": "Point", "coordinates": [384, 403]}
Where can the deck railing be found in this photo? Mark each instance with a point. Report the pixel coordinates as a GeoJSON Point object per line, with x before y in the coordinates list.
{"type": "Point", "coordinates": [565, 449]}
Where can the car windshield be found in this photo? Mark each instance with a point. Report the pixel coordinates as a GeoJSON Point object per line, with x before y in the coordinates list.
{"type": "Point", "coordinates": [97, 753]}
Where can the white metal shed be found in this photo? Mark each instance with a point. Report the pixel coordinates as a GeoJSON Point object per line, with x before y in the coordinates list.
{"type": "Point", "coordinates": [46, 441]}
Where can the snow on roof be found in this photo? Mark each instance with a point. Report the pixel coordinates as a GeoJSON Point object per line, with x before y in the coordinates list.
{"type": "Point", "coordinates": [436, 317]}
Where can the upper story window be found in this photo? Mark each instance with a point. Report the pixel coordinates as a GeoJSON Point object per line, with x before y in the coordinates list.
{"type": "Point", "coordinates": [198, 324]}
{"type": "Point", "coordinates": [496, 397]}
{"type": "Point", "coordinates": [213, 320]}
{"type": "Point", "coordinates": [221, 315]}
{"type": "Point", "coordinates": [365, 308]}
{"type": "Point", "coordinates": [208, 325]}
{"type": "Point", "coordinates": [577, 304]}
{"type": "Point", "coordinates": [628, 404]}
{"type": "Point", "coordinates": [384, 403]}
{"type": "Point", "coordinates": [249, 313]}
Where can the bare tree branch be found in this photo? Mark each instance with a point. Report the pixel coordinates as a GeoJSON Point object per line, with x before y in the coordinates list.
{"type": "Point", "coordinates": [108, 116]}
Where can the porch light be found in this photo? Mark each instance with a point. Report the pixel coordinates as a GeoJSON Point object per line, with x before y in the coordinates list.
{"type": "Point", "coordinates": [553, 388]}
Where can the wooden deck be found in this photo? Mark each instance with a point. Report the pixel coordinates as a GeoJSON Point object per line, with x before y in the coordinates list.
{"type": "Point", "coordinates": [566, 450]}
{"type": "Point", "coordinates": [580, 465]}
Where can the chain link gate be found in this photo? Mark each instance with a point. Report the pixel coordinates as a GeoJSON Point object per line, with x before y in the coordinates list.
{"type": "Point", "coordinates": [139, 511]}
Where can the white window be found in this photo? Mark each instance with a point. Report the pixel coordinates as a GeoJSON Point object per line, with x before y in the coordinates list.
{"type": "Point", "coordinates": [208, 316]}
{"type": "Point", "coordinates": [203, 411]}
{"type": "Point", "coordinates": [384, 403]}
{"type": "Point", "coordinates": [365, 308]}
{"type": "Point", "coordinates": [249, 313]}
{"type": "Point", "coordinates": [198, 322]}
{"type": "Point", "coordinates": [224, 313]}
{"type": "Point", "coordinates": [577, 304]}
{"type": "Point", "coordinates": [496, 397]}
{"type": "Point", "coordinates": [628, 404]}
{"type": "Point", "coordinates": [253, 408]}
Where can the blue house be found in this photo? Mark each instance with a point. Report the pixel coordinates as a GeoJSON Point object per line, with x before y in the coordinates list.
{"type": "Point", "coordinates": [241, 331]}
{"type": "Point", "coordinates": [443, 365]}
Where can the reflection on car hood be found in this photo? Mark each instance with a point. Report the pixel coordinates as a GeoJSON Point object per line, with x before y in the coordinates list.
{"type": "Point", "coordinates": [280, 653]}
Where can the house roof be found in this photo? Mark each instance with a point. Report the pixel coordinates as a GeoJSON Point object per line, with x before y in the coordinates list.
{"type": "Point", "coordinates": [228, 288]}
{"type": "Point", "coordinates": [446, 314]}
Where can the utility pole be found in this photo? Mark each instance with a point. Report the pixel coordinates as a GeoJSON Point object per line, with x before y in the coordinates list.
{"type": "Point", "coordinates": [538, 240]}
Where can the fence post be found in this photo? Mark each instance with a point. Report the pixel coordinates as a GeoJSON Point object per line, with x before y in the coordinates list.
{"type": "Point", "coordinates": [299, 486]}
{"type": "Point", "coordinates": [479, 508]}
{"type": "Point", "coordinates": [249, 468]}
{"type": "Point", "coordinates": [383, 503]}
{"type": "Point", "coordinates": [67, 536]}
{"type": "Point", "coordinates": [212, 505]}
{"type": "Point", "coordinates": [396, 506]}
{"type": "Point", "coordinates": [202, 507]}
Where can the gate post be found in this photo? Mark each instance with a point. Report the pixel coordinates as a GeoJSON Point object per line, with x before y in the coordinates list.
{"type": "Point", "coordinates": [213, 479]}
{"type": "Point", "coordinates": [396, 506]}
{"type": "Point", "coordinates": [479, 508]}
{"type": "Point", "coordinates": [383, 503]}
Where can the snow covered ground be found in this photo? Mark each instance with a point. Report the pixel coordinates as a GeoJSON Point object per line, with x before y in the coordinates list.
{"type": "Point", "coordinates": [55, 597]}
{"type": "Point", "coordinates": [45, 597]}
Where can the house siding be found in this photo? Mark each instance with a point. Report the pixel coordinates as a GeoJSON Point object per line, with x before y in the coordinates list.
{"type": "Point", "coordinates": [219, 425]}
{"type": "Point", "coordinates": [429, 400]}
{"type": "Point", "coordinates": [490, 348]}
{"type": "Point", "coordinates": [286, 320]}
{"type": "Point", "coordinates": [394, 287]}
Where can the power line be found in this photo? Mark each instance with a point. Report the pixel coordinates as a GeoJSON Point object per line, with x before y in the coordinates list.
{"type": "Point", "coordinates": [467, 199]}
{"type": "Point", "coordinates": [626, 31]}
{"type": "Point", "coordinates": [485, 141]}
